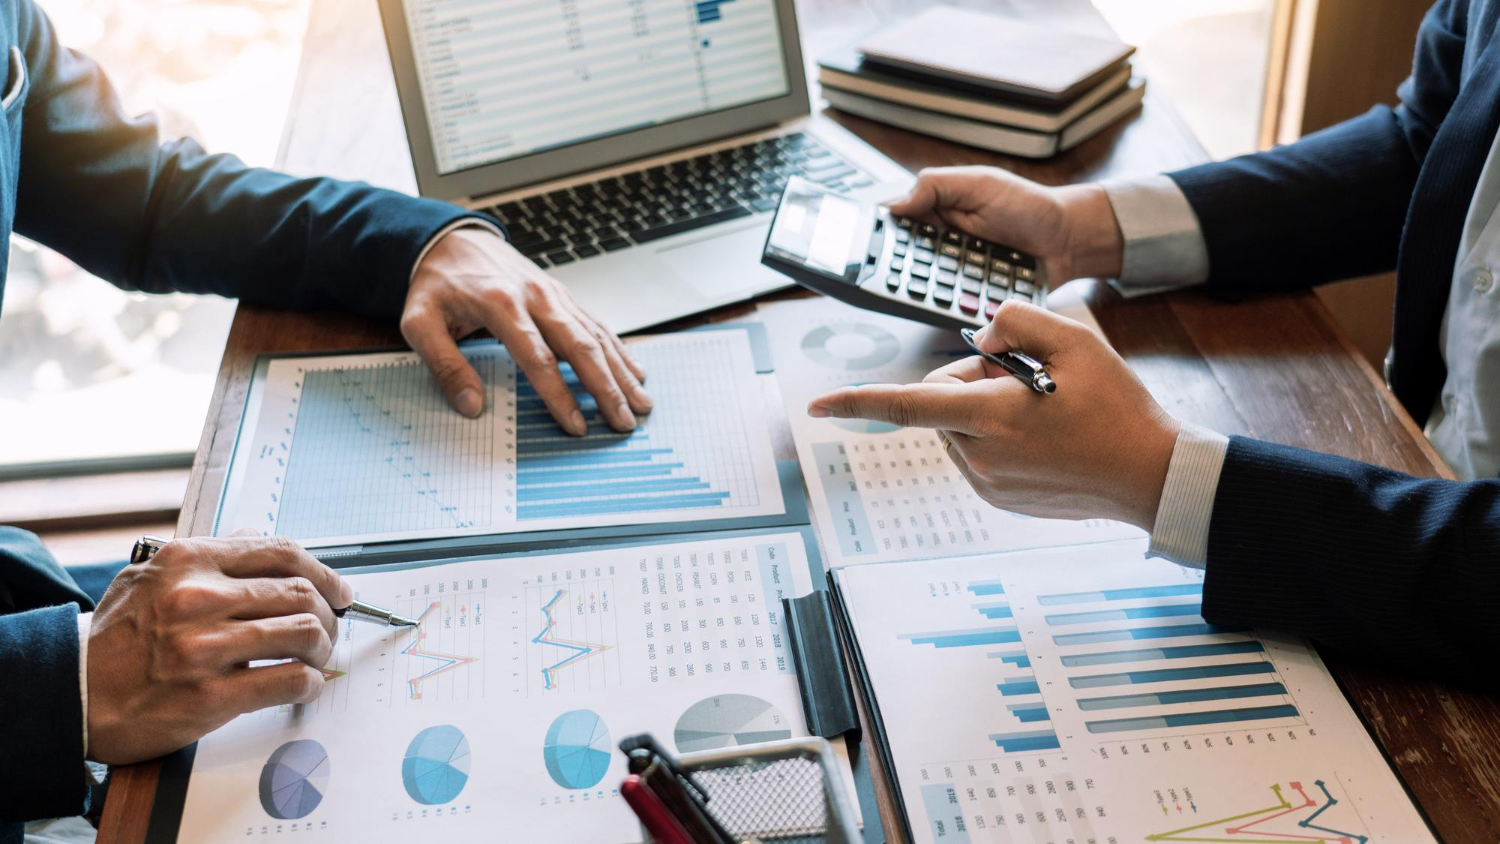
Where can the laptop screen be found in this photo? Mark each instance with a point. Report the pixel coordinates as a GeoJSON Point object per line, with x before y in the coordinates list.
{"type": "Point", "coordinates": [507, 78]}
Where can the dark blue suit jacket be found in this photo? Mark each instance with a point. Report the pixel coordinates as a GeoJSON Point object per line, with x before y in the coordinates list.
{"type": "Point", "coordinates": [1367, 560]}
{"type": "Point", "coordinates": [80, 176]}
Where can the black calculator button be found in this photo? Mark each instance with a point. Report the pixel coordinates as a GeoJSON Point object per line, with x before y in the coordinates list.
{"type": "Point", "coordinates": [943, 297]}
{"type": "Point", "coordinates": [976, 273]}
{"type": "Point", "coordinates": [974, 257]}
{"type": "Point", "coordinates": [927, 230]}
{"type": "Point", "coordinates": [893, 282]}
{"type": "Point", "coordinates": [1024, 274]}
{"type": "Point", "coordinates": [925, 242]}
{"type": "Point", "coordinates": [978, 245]}
{"type": "Point", "coordinates": [952, 251]}
{"type": "Point", "coordinates": [953, 237]}
{"type": "Point", "coordinates": [948, 263]}
{"type": "Point", "coordinates": [897, 265]}
{"type": "Point", "coordinates": [922, 271]}
{"type": "Point", "coordinates": [922, 256]}
{"type": "Point", "coordinates": [1022, 260]}
{"type": "Point", "coordinates": [968, 303]}
{"type": "Point", "coordinates": [972, 286]}
{"type": "Point", "coordinates": [1000, 266]}
{"type": "Point", "coordinates": [903, 223]}
{"type": "Point", "coordinates": [916, 288]}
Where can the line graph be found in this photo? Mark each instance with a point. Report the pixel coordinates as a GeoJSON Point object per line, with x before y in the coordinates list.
{"type": "Point", "coordinates": [419, 649]}
{"type": "Point", "coordinates": [575, 651]}
{"type": "Point", "coordinates": [1251, 824]}
{"type": "Point", "coordinates": [376, 449]}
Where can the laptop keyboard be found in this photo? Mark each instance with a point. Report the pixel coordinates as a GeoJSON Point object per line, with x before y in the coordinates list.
{"type": "Point", "coordinates": [615, 213]}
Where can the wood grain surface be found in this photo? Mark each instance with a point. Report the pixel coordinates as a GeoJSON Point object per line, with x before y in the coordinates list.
{"type": "Point", "coordinates": [1275, 367]}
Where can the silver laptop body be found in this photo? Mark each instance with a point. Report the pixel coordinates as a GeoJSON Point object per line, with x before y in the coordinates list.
{"type": "Point", "coordinates": [634, 148]}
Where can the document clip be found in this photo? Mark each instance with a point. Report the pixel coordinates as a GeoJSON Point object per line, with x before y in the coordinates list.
{"type": "Point", "coordinates": [822, 673]}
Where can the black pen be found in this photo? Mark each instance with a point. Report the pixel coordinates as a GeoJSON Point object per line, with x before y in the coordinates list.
{"type": "Point", "coordinates": [1021, 365]}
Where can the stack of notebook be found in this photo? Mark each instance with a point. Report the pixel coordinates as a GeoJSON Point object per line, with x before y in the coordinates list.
{"type": "Point", "coordinates": [987, 81]}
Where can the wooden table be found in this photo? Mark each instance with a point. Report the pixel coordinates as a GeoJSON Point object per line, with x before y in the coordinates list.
{"type": "Point", "coordinates": [1276, 367]}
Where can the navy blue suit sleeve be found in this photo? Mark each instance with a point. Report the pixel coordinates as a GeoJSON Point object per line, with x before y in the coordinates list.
{"type": "Point", "coordinates": [1333, 204]}
{"type": "Point", "coordinates": [41, 712]}
{"type": "Point", "coordinates": [102, 189]}
{"type": "Point", "coordinates": [1372, 562]}
{"type": "Point", "coordinates": [41, 756]}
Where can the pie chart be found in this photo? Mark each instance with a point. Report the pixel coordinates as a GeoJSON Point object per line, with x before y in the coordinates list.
{"type": "Point", "coordinates": [294, 779]}
{"type": "Point", "coordinates": [728, 721]}
{"type": "Point", "coordinates": [436, 765]}
{"type": "Point", "coordinates": [851, 346]}
{"type": "Point", "coordinates": [577, 749]}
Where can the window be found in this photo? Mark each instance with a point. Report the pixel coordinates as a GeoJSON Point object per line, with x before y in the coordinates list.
{"type": "Point", "coordinates": [95, 376]}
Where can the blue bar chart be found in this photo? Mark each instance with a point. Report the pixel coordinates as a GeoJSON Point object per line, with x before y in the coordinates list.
{"type": "Point", "coordinates": [708, 10]}
{"type": "Point", "coordinates": [966, 638]}
{"type": "Point", "coordinates": [1173, 590]}
{"type": "Point", "coordinates": [1026, 742]}
{"type": "Point", "coordinates": [603, 472]}
{"type": "Point", "coordinates": [1178, 652]}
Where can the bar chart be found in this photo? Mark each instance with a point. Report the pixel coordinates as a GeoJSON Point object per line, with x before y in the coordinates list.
{"type": "Point", "coordinates": [1224, 682]}
{"type": "Point", "coordinates": [997, 680]}
{"type": "Point", "coordinates": [708, 10]}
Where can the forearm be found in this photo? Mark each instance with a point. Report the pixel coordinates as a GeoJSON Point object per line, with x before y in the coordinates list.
{"type": "Point", "coordinates": [41, 759]}
{"type": "Point", "coordinates": [1369, 561]}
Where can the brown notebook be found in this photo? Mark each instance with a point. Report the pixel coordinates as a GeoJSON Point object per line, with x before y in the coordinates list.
{"type": "Point", "coordinates": [998, 53]}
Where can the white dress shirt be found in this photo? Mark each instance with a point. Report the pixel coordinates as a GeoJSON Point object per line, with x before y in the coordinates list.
{"type": "Point", "coordinates": [1164, 249]}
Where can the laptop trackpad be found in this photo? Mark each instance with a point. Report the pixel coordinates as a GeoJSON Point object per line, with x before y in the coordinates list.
{"type": "Point", "coordinates": [724, 263]}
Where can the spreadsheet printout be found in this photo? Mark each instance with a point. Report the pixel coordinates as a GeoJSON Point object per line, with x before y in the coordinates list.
{"type": "Point", "coordinates": [1078, 694]}
{"type": "Point", "coordinates": [503, 80]}
{"type": "Point", "coordinates": [880, 492]}
{"type": "Point", "coordinates": [360, 448]}
{"type": "Point", "coordinates": [503, 709]}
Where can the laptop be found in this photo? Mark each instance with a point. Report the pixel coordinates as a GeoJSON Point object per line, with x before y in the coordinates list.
{"type": "Point", "coordinates": [634, 149]}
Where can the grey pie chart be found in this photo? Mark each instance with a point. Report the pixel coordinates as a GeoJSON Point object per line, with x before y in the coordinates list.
{"type": "Point", "coordinates": [294, 779]}
{"type": "Point", "coordinates": [851, 346]}
{"type": "Point", "coordinates": [729, 721]}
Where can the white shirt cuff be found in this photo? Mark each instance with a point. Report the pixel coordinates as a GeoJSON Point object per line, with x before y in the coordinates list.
{"type": "Point", "coordinates": [85, 622]}
{"type": "Point", "coordinates": [1187, 497]}
{"type": "Point", "coordinates": [1164, 247]}
{"type": "Point", "coordinates": [444, 232]}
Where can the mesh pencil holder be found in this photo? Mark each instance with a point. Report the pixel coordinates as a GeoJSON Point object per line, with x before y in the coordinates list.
{"type": "Point", "coordinates": [786, 792]}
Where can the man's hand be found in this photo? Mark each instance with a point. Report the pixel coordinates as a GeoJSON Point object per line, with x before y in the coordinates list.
{"type": "Point", "coordinates": [1096, 448]}
{"type": "Point", "coordinates": [472, 279]}
{"type": "Point", "coordinates": [1072, 230]}
{"type": "Point", "coordinates": [170, 642]}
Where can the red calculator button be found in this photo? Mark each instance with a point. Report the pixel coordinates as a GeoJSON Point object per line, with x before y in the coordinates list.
{"type": "Point", "coordinates": [968, 303]}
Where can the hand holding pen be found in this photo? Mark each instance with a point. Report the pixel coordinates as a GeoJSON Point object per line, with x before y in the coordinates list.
{"type": "Point", "coordinates": [199, 630]}
{"type": "Point", "coordinates": [1097, 445]}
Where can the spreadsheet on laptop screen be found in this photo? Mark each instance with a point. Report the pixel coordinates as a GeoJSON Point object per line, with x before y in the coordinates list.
{"type": "Point", "coordinates": [507, 78]}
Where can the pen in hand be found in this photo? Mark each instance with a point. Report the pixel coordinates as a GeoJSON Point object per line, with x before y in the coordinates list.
{"type": "Point", "coordinates": [147, 546]}
{"type": "Point", "coordinates": [1019, 364]}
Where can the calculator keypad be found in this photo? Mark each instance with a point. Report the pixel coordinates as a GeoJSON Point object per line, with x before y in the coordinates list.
{"type": "Point", "coordinates": [950, 272]}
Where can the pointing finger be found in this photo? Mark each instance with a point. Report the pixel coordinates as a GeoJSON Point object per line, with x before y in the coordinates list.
{"type": "Point", "coordinates": [943, 406]}
{"type": "Point", "coordinates": [427, 334]}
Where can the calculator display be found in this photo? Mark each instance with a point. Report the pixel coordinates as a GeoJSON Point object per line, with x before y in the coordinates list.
{"type": "Point", "coordinates": [821, 230]}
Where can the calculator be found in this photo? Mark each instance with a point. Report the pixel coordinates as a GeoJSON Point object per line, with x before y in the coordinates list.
{"type": "Point", "coordinates": [860, 254]}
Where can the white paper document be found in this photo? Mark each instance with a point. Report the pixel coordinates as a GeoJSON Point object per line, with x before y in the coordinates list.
{"type": "Point", "coordinates": [1077, 694]}
{"type": "Point", "coordinates": [361, 448]}
{"type": "Point", "coordinates": [499, 716]}
{"type": "Point", "coordinates": [879, 492]}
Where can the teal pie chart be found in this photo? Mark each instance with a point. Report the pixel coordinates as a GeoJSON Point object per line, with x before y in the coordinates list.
{"type": "Point", "coordinates": [577, 751]}
{"type": "Point", "coordinates": [436, 765]}
{"type": "Point", "coordinates": [851, 346]}
{"type": "Point", "coordinates": [294, 779]}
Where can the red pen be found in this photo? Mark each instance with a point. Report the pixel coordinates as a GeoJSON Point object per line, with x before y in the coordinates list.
{"type": "Point", "coordinates": [653, 814]}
